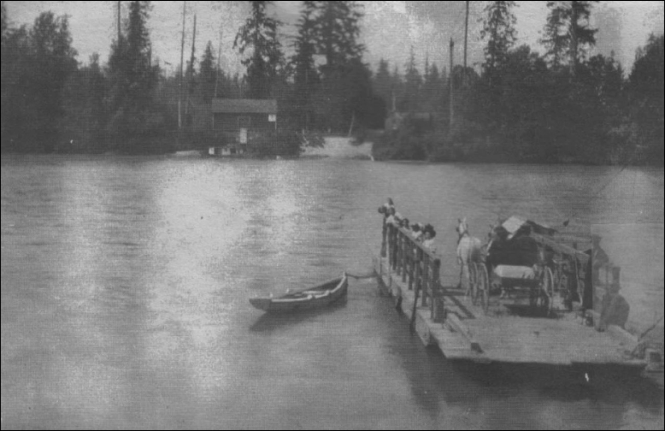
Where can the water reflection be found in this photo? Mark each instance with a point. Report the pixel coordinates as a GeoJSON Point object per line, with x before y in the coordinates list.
{"type": "Point", "coordinates": [269, 323]}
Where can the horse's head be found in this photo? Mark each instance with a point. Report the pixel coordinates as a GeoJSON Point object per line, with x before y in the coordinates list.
{"type": "Point", "coordinates": [462, 228]}
{"type": "Point", "coordinates": [492, 236]}
{"type": "Point", "coordinates": [492, 232]}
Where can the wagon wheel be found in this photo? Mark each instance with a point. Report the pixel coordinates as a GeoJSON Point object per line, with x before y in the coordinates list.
{"type": "Point", "coordinates": [546, 297]}
{"type": "Point", "coordinates": [473, 282]}
{"type": "Point", "coordinates": [483, 286]}
{"type": "Point", "coordinates": [567, 293]}
{"type": "Point", "coordinates": [561, 280]}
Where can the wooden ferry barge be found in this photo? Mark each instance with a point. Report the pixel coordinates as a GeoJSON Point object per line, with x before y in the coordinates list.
{"type": "Point", "coordinates": [444, 316]}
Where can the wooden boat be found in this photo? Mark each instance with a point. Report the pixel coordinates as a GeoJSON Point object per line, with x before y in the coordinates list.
{"type": "Point", "coordinates": [305, 299]}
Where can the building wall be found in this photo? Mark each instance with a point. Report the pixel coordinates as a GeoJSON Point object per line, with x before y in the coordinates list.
{"type": "Point", "coordinates": [233, 122]}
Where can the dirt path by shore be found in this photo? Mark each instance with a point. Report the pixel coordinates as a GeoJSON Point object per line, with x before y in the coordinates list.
{"type": "Point", "coordinates": [340, 147]}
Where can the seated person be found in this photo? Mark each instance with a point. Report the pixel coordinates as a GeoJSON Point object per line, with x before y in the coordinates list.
{"type": "Point", "coordinates": [405, 223]}
{"type": "Point", "coordinates": [417, 231]}
{"type": "Point", "coordinates": [428, 234]}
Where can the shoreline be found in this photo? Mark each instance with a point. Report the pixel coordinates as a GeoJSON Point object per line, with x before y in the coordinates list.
{"type": "Point", "coordinates": [313, 156]}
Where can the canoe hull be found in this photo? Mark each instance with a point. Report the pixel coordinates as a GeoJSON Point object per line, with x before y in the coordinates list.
{"type": "Point", "coordinates": [308, 299]}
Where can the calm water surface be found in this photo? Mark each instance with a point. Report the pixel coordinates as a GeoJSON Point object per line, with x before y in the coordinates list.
{"type": "Point", "coordinates": [125, 286]}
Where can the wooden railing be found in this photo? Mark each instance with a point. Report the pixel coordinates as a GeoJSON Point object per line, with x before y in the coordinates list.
{"type": "Point", "coordinates": [570, 250]}
{"type": "Point", "coordinates": [418, 266]}
{"type": "Point", "coordinates": [599, 276]}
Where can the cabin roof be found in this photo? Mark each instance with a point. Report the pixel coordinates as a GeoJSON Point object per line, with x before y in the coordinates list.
{"type": "Point", "coordinates": [244, 106]}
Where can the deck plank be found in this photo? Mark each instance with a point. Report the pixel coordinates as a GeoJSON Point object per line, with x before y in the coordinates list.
{"type": "Point", "coordinates": [509, 338]}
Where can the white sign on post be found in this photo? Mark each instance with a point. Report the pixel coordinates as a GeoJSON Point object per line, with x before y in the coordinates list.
{"type": "Point", "coordinates": [272, 118]}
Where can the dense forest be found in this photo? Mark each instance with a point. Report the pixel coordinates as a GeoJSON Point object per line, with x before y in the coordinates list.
{"type": "Point", "coordinates": [561, 106]}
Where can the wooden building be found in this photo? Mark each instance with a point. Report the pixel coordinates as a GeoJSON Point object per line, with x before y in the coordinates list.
{"type": "Point", "coordinates": [237, 121]}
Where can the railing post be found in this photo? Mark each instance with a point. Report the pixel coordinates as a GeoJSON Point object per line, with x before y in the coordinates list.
{"type": "Point", "coordinates": [398, 240]}
{"type": "Point", "coordinates": [400, 250]}
{"type": "Point", "coordinates": [412, 266]}
{"type": "Point", "coordinates": [394, 255]}
{"type": "Point", "coordinates": [425, 285]}
{"type": "Point", "coordinates": [406, 245]}
{"type": "Point", "coordinates": [393, 250]}
{"type": "Point", "coordinates": [391, 247]}
{"type": "Point", "coordinates": [436, 311]}
{"type": "Point", "coordinates": [383, 240]}
{"type": "Point", "coordinates": [418, 280]}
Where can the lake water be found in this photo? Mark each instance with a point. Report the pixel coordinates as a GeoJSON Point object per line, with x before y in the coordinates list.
{"type": "Point", "coordinates": [125, 287]}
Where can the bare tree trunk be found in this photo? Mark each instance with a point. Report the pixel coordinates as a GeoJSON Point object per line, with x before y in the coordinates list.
{"type": "Point", "coordinates": [182, 59]}
{"type": "Point", "coordinates": [573, 40]}
{"type": "Point", "coordinates": [466, 35]}
{"type": "Point", "coordinates": [452, 117]}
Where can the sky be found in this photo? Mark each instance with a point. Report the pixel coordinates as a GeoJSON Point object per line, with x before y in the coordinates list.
{"type": "Point", "coordinates": [389, 28]}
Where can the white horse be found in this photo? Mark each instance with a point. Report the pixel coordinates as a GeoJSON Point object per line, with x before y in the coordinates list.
{"type": "Point", "coordinates": [468, 251]}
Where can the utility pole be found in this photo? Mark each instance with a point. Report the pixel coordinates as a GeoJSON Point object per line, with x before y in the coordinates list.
{"type": "Point", "coordinates": [452, 48]}
{"type": "Point", "coordinates": [182, 59]}
{"type": "Point", "coordinates": [119, 14]}
{"type": "Point", "coordinates": [466, 35]}
{"type": "Point", "coordinates": [190, 68]}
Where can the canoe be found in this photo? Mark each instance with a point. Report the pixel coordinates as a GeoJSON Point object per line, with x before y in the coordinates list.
{"type": "Point", "coordinates": [305, 299]}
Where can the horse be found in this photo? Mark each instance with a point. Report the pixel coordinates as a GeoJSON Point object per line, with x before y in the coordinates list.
{"type": "Point", "coordinates": [469, 250]}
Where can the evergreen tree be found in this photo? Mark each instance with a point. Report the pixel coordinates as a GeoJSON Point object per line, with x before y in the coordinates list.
{"type": "Point", "coordinates": [526, 118]}
{"type": "Point", "coordinates": [582, 37]}
{"type": "Point", "coordinates": [432, 90]}
{"type": "Point", "coordinates": [133, 79]}
{"type": "Point", "coordinates": [52, 63]}
{"type": "Point", "coordinates": [306, 77]}
{"type": "Point", "coordinates": [207, 74]}
{"type": "Point", "coordinates": [4, 23]}
{"type": "Point", "coordinates": [142, 75]}
{"type": "Point", "coordinates": [599, 100]}
{"type": "Point", "coordinates": [412, 83]}
{"type": "Point", "coordinates": [397, 90]}
{"type": "Point", "coordinates": [499, 30]}
{"type": "Point", "coordinates": [646, 85]}
{"type": "Point", "coordinates": [36, 64]}
{"type": "Point", "coordinates": [568, 35]}
{"type": "Point", "coordinates": [84, 114]}
{"type": "Point", "coordinates": [260, 34]}
{"type": "Point", "coordinates": [17, 91]}
{"type": "Point", "coordinates": [555, 39]}
{"type": "Point", "coordinates": [338, 28]}
{"type": "Point", "coordinates": [3, 74]}
{"type": "Point", "coordinates": [382, 83]}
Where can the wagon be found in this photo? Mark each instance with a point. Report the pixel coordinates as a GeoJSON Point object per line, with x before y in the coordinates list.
{"type": "Point", "coordinates": [514, 266]}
